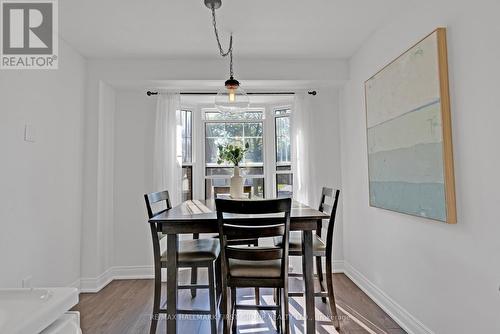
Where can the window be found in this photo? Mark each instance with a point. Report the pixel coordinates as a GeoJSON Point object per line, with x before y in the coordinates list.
{"type": "Point", "coordinates": [283, 152]}
{"type": "Point", "coordinates": [217, 116]}
{"type": "Point", "coordinates": [284, 176]}
{"type": "Point", "coordinates": [187, 136]}
{"type": "Point", "coordinates": [267, 165]}
{"type": "Point", "coordinates": [236, 129]}
{"type": "Point", "coordinates": [187, 154]}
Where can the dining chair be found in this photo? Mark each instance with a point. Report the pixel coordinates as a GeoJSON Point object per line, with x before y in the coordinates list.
{"type": "Point", "coordinates": [199, 253]}
{"type": "Point", "coordinates": [258, 267]}
{"type": "Point", "coordinates": [250, 242]}
{"type": "Point", "coordinates": [321, 249]}
{"type": "Point", "coordinates": [246, 190]}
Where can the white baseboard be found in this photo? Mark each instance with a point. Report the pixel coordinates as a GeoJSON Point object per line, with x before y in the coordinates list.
{"type": "Point", "coordinates": [399, 314]}
{"type": "Point", "coordinates": [133, 272]}
{"type": "Point", "coordinates": [338, 266]}
{"type": "Point", "coordinates": [93, 285]}
{"type": "Point", "coordinates": [75, 284]}
{"type": "Point", "coordinates": [96, 284]}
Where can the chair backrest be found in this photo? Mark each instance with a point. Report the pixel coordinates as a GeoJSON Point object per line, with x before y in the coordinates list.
{"type": "Point", "coordinates": [332, 211]}
{"type": "Point", "coordinates": [239, 219]}
{"type": "Point", "coordinates": [154, 198]}
{"type": "Point", "coordinates": [226, 190]}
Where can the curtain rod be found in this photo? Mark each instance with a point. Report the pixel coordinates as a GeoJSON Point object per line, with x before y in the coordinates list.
{"type": "Point", "coordinates": [149, 93]}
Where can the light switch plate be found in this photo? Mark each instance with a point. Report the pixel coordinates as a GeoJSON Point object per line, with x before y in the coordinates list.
{"type": "Point", "coordinates": [29, 133]}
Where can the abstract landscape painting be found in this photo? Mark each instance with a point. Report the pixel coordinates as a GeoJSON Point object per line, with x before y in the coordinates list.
{"type": "Point", "coordinates": [410, 156]}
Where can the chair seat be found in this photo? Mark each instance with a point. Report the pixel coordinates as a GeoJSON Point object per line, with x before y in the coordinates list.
{"type": "Point", "coordinates": [295, 244]}
{"type": "Point", "coordinates": [255, 269]}
{"type": "Point", "coordinates": [198, 250]}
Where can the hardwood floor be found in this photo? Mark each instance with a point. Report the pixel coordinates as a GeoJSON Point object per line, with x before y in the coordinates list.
{"type": "Point", "coordinates": [124, 307]}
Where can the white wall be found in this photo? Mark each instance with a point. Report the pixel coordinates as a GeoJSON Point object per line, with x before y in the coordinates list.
{"type": "Point", "coordinates": [326, 162]}
{"type": "Point", "coordinates": [133, 159]}
{"type": "Point", "coordinates": [41, 182]}
{"type": "Point", "coordinates": [445, 276]}
{"type": "Point", "coordinates": [322, 134]}
{"type": "Point", "coordinates": [152, 73]}
{"type": "Point", "coordinates": [133, 177]}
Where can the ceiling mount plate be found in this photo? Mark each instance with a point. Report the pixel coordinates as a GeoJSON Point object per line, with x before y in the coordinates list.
{"type": "Point", "coordinates": [215, 4]}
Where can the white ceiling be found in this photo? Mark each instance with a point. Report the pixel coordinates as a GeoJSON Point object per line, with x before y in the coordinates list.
{"type": "Point", "coordinates": [182, 28]}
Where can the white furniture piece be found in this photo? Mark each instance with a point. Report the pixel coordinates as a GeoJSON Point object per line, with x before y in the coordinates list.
{"type": "Point", "coordinates": [39, 310]}
{"type": "Point", "coordinates": [68, 323]}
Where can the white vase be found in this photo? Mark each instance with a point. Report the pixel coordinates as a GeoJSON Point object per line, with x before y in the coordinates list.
{"type": "Point", "coordinates": [236, 187]}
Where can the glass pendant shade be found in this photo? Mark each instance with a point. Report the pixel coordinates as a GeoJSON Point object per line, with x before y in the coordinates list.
{"type": "Point", "coordinates": [232, 98]}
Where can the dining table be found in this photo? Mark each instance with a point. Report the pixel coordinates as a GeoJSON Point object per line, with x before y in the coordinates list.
{"type": "Point", "coordinates": [199, 216]}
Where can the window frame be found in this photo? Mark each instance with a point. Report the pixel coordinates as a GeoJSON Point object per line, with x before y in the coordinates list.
{"type": "Point", "coordinates": [199, 166]}
{"type": "Point", "coordinates": [190, 164]}
{"type": "Point", "coordinates": [206, 165]}
{"type": "Point", "coordinates": [277, 164]}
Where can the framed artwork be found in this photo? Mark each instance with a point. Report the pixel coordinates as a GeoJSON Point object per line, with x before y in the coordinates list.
{"type": "Point", "coordinates": [408, 121]}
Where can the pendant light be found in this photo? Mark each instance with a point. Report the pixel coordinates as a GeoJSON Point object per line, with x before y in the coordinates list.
{"type": "Point", "coordinates": [231, 98]}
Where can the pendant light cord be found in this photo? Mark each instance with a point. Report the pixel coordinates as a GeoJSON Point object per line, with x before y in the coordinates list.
{"type": "Point", "coordinates": [223, 53]}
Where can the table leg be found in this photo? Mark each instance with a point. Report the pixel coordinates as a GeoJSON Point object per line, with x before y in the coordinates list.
{"type": "Point", "coordinates": [172, 246]}
{"type": "Point", "coordinates": [308, 272]}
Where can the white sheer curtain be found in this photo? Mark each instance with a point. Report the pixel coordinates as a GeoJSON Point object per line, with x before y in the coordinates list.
{"type": "Point", "coordinates": [167, 172]}
{"type": "Point", "coordinates": [301, 150]}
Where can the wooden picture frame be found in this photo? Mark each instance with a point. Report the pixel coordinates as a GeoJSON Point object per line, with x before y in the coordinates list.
{"type": "Point", "coordinates": [409, 133]}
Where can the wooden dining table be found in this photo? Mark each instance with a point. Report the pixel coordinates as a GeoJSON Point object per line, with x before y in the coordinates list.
{"type": "Point", "coordinates": [200, 217]}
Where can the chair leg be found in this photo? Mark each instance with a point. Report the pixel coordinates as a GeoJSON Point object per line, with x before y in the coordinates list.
{"type": "Point", "coordinates": [257, 296]}
{"type": "Point", "coordinates": [212, 297]}
{"type": "Point", "coordinates": [156, 301]}
{"type": "Point", "coordinates": [218, 276]}
{"type": "Point", "coordinates": [331, 296]}
{"type": "Point", "coordinates": [286, 316]}
{"type": "Point", "coordinates": [194, 280]}
{"type": "Point", "coordinates": [224, 310]}
{"type": "Point", "coordinates": [234, 315]}
{"type": "Point", "coordinates": [319, 270]}
{"type": "Point", "coordinates": [279, 314]}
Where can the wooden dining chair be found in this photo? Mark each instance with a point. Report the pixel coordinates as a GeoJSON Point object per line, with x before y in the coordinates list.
{"type": "Point", "coordinates": [320, 249]}
{"type": "Point", "coordinates": [201, 253]}
{"type": "Point", "coordinates": [246, 190]}
{"type": "Point", "coordinates": [261, 267]}
{"type": "Point", "coordinates": [218, 190]}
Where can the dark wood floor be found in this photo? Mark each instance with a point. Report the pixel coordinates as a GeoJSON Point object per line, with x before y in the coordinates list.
{"type": "Point", "coordinates": [125, 307]}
